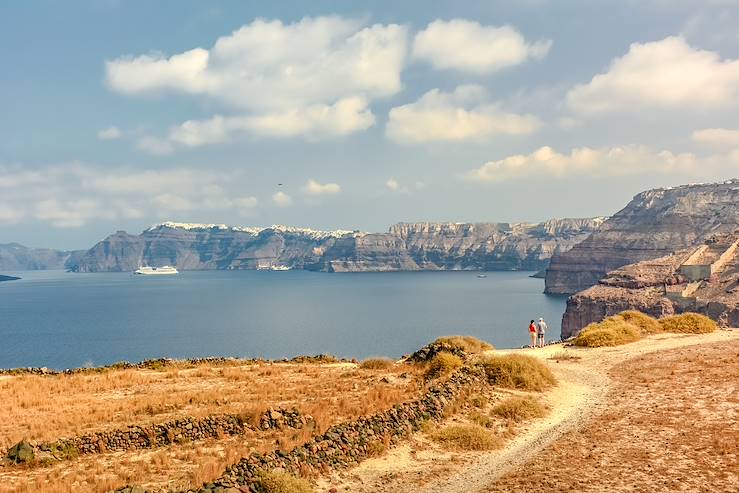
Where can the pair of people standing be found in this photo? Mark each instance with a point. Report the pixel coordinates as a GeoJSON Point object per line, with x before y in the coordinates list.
{"type": "Point", "coordinates": [537, 331]}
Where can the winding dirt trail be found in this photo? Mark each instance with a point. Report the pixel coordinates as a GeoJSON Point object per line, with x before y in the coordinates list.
{"type": "Point", "coordinates": [581, 395]}
{"type": "Point", "coordinates": [584, 384]}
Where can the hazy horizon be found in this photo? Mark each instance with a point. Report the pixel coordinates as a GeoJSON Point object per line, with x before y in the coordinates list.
{"type": "Point", "coordinates": [341, 115]}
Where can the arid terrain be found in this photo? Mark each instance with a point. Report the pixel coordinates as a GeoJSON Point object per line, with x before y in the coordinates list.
{"type": "Point", "coordinates": [659, 414]}
{"type": "Point", "coordinates": [48, 407]}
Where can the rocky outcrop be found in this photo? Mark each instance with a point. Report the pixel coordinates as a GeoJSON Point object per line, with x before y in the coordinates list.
{"type": "Point", "coordinates": [654, 224]}
{"type": "Point", "coordinates": [405, 247]}
{"type": "Point", "coordinates": [659, 288]}
{"type": "Point", "coordinates": [14, 256]}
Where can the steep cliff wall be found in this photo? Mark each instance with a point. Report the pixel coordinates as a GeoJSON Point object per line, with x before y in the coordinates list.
{"type": "Point", "coordinates": [18, 257]}
{"type": "Point", "coordinates": [655, 223]}
{"type": "Point", "coordinates": [658, 288]}
{"type": "Point", "coordinates": [416, 246]}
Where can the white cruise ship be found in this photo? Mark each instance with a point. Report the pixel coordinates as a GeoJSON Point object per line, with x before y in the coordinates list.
{"type": "Point", "coordinates": [156, 271]}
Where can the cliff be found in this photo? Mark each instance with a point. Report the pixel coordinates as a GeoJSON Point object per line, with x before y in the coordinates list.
{"type": "Point", "coordinates": [654, 224]}
{"type": "Point", "coordinates": [417, 246]}
{"type": "Point", "coordinates": [18, 257]}
{"type": "Point", "coordinates": [703, 280]}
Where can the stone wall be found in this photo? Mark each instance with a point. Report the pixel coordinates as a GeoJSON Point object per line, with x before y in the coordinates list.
{"type": "Point", "coordinates": [349, 443]}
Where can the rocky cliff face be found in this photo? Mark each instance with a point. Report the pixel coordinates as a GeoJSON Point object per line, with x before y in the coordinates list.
{"type": "Point", "coordinates": [655, 223]}
{"type": "Point", "coordinates": [18, 257]}
{"type": "Point", "coordinates": [417, 246]}
{"type": "Point", "coordinates": [657, 287]}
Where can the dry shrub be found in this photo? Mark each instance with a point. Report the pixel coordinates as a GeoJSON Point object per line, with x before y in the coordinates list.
{"type": "Point", "coordinates": [377, 364]}
{"type": "Point", "coordinates": [519, 409]}
{"type": "Point", "coordinates": [564, 356]}
{"type": "Point", "coordinates": [468, 344]}
{"type": "Point", "coordinates": [646, 324]}
{"type": "Point", "coordinates": [518, 371]}
{"type": "Point", "coordinates": [281, 482]}
{"type": "Point", "coordinates": [613, 331]}
{"type": "Point", "coordinates": [688, 323]}
{"type": "Point", "coordinates": [443, 363]}
{"type": "Point", "coordinates": [467, 437]}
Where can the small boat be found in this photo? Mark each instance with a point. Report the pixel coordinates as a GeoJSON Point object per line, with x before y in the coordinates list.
{"type": "Point", "coordinates": [156, 271]}
{"type": "Point", "coordinates": [481, 276]}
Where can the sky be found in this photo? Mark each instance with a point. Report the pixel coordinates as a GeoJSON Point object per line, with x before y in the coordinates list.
{"type": "Point", "coordinates": [116, 114]}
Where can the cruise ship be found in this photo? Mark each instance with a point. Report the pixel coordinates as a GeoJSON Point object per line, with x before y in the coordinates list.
{"type": "Point", "coordinates": [156, 271]}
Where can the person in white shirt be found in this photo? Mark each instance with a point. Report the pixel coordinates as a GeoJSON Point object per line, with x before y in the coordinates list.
{"type": "Point", "coordinates": [541, 330]}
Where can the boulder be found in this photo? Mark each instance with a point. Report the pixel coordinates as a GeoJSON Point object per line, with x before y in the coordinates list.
{"type": "Point", "coordinates": [21, 453]}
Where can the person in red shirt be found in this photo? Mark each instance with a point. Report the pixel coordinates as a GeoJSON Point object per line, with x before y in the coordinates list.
{"type": "Point", "coordinates": [532, 334]}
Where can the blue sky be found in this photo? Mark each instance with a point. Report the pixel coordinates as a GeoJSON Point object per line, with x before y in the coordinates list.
{"type": "Point", "coordinates": [121, 114]}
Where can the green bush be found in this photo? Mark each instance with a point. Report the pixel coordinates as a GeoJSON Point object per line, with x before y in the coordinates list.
{"type": "Point", "coordinates": [688, 323]}
{"type": "Point", "coordinates": [518, 371]}
{"type": "Point", "coordinates": [519, 409]}
{"type": "Point", "coordinates": [467, 437]}
{"type": "Point", "coordinates": [612, 331]}
{"type": "Point", "coordinates": [281, 482]}
{"type": "Point", "coordinates": [443, 363]}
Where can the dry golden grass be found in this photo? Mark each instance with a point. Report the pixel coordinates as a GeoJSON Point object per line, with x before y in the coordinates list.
{"type": "Point", "coordinates": [443, 363]}
{"type": "Point", "coordinates": [518, 371]}
{"type": "Point", "coordinates": [564, 356]}
{"type": "Point", "coordinates": [281, 482]}
{"type": "Point", "coordinates": [468, 344]}
{"type": "Point", "coordinates": [613, 331]}
{"type": "Point", "coordinates": [51, 407]}
{"type": "Point", "coordinates": [376, 364]}
{"type": "Point", "coordinates": [646, 324]}
{"type": "Point", "coordinates": [519, 409]}
{"type": "Point", "coordinates": [467, 437]}
{"type": "Point", "coordinates": [688, 323]}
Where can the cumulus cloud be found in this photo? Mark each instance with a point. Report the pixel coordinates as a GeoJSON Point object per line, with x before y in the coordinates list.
{"type": "Point", "coordinates": [268, 64]}
{"type": "Point", "coordinates": [72, 195]}
{"type": "Point", "coordinates": [392, 184]}
{"type": "Point", "coordinates": [622, 160]}
{"type": "Point", "coordinates": [663, 74]}
{"type": "Point", "coordinates": [462, 115]}
{"type": "Point", "coordinates": [110, 133]}
{"type": "Point", "coordinates": [282, 199]}
{"type": "Point", "coordinates": [315, 188]}
{"type": "Point", "coordinates": [717, 137]}
{"type": "Point", "coordinates": [467, 46]}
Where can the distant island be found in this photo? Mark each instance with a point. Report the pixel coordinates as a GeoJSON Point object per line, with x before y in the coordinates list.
{"type": "Point", "coordinates": [8, 278]}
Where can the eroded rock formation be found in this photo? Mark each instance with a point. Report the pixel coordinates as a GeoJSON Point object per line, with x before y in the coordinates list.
{"type": "Point", "coordinates": [406, 246]}
{"type": "Point", "coordinates": [661, 287]}
{"type": "Point", "coordinates": [654, 224]}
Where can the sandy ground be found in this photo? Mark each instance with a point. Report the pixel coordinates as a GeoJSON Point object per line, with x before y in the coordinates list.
{"type": "Point", "coordinates": [585, 392]}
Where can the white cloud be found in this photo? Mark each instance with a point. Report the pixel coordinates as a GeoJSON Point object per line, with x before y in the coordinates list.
{"type": "Point", "coordinates": [282, 199]}
{"type": "Point", "coordinates": [315, 188]}
{"type": "Point", "coordinates": [392, 184]}
{"type": "Point", "coordinates": [666, 74]}
{"type": "Point", "coordinates": [717, 137]}
{"type": "Point", "coordinates": [623, 160]}
{"type": "Point", "coordinates": [395, 186]}
{"type": "Point", "coordinates": [154, 146]}
{"type": "Point", "coordinates": [462, 115]}
{"type": "Point", "coordinates": [110, 133]}
{"type": "Point", "coordinates": [268, 65]}
{"type": "Point", "coordinates": [467, 46]}
{"type": "Point", "coordinates": [72, 195]}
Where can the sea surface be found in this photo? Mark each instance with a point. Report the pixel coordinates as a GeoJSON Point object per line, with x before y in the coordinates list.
{"type": "Point", "coordinates": [65, 320]}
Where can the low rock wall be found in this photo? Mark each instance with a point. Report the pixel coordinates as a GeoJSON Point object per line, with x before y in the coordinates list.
{"type": "Point", "coordinates": [349, 443]}
{"type": "Point", "coordinates": [175, 431]}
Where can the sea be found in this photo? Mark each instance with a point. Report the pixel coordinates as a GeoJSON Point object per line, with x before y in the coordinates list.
{"type": "Point", "coordinates": [64, 320]}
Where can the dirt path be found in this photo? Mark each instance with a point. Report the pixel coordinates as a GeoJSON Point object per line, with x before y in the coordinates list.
{"type": "Point", "coordinates": [583, 387]}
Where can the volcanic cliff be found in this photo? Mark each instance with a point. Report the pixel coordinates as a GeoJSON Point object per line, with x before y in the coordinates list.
{"type": "Point", "coordinates": [654, 224]}
{"type": "Point", "coordinates": [406, 246]}
{"type": "Point", "coordinates": [703, 279]}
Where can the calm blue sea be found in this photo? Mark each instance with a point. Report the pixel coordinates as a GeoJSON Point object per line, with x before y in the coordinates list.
{"type": "Point", "coordinates": [63, 320]}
